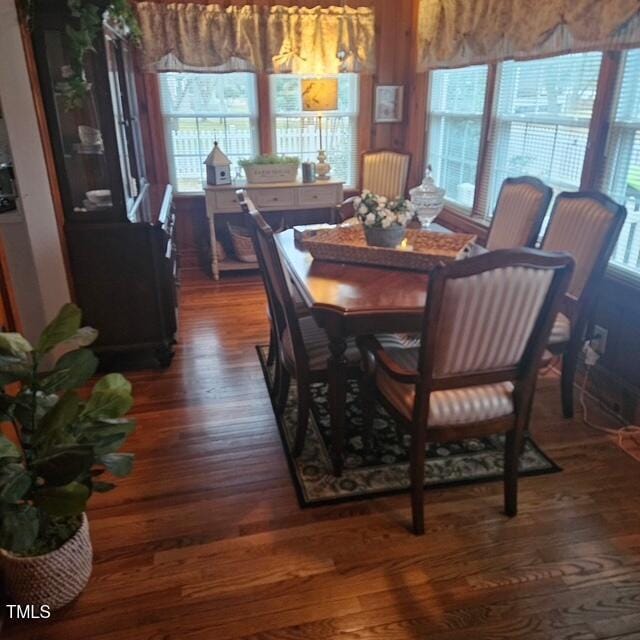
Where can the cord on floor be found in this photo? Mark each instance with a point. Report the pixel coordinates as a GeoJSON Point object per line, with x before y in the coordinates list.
{"type": "Point", "coordinates": [629, 430]}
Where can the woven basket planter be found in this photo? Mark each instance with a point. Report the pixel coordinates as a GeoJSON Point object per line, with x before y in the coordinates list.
{"type": "Point", "coordinates": [54, 579]}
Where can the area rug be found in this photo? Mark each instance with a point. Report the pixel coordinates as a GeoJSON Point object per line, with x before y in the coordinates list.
{"type": "Point", "coordinates": [382, 468]}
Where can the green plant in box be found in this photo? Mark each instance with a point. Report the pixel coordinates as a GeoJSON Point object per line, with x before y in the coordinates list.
{"type": "Point", "coordinates": [66, 442]}
{"type": "Point", "coordinates": [269, 159]}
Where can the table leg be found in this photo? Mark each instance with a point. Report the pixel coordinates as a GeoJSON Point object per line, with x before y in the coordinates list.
{"type": "Point", "coordinates": [215, 272]}
{"type": "Point", "coordinates": [337, 368]}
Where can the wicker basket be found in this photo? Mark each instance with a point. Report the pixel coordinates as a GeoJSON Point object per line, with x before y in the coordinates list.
{"type": "Point", "coordinates": [54, 579]}
{"type": "Point", "coordinates": [220, 251]}
{"type": "Point", "coordinates": [242, 244]}
{"type": "Point", "coordinates": [422, 250]}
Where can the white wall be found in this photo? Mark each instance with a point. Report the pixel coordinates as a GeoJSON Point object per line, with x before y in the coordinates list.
{"type": "Point", "coordinates": [32, 243]}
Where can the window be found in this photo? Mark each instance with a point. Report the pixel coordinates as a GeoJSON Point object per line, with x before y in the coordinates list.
{"type": "Point", "coordinates": [541, 124]}
{"type": "Point", "coordinates": [200, 108]}
{"type": "Point", "coordinates": [622, 172]}
{"type": "Point", "coordinates": [455, 113]}
{"type": "Point", "coordinates": [295, 132]}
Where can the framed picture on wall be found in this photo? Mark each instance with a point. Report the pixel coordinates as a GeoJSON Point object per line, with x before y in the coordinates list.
{"type": "Point", "coordinates": [389, 103]}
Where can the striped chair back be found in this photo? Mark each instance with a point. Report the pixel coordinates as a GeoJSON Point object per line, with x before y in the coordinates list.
{"type": "Point", "coordinates": [520, 210]}
{"type": "Point", "coordinates": [385, 173]}
{"type": "Point", "coordinates": [491, 314]}
{"type": "Point", "coordinates": [587, 225]}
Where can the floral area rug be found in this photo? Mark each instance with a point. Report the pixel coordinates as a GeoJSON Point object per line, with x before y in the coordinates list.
{"type": "Point", "coordinates": [383, 466]}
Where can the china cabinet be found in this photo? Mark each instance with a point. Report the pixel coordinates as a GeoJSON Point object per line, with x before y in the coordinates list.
{"type": "Point", "coordinates": [119, 228]}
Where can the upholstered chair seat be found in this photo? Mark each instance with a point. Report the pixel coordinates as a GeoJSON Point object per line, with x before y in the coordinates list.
{"type": "Point", "coordinates": [466, 405]}
{"type": "Point", "coordinates": [316, 345]}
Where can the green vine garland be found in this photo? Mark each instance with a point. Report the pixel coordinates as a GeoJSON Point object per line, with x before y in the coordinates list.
{"type": "Point", "coordinates": [81, 36]}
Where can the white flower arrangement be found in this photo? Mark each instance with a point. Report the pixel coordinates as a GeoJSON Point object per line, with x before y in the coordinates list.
{"type": "Point", "coordinates": [377, 211]}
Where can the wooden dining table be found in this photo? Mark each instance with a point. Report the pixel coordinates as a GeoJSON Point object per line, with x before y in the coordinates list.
{"type": "Point", "coordinates": [350, 300]}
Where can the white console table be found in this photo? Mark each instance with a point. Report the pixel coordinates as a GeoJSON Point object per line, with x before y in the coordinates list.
{"type": "Point", "coordinates": [280, 197]}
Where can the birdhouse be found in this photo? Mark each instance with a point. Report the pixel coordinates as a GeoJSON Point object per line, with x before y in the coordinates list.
{"type": "Point", "coordinates": [218, 167]}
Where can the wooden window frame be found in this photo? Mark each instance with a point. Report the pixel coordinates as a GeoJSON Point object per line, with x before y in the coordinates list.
{"type": "Point", "coordinates": [595, 157]}
{"type": "Point", "coordinates": [363, 97]}
{"type": "Point", "coordinates": [421, 154]}
{"type": "Point", "coordinates": [592, 170]}
{"type": "Point", "coordinates": [155, 138]}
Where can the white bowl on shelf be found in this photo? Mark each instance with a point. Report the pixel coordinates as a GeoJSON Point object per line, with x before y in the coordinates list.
{"type": "Point", "coordinates": [89, 136]}
{"type": "Point", "coordinates": [99, 196]}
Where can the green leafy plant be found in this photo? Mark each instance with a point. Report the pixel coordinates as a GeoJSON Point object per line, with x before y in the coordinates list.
{"type": "Point", "coordinates": [66, 442]}
{"type": "Point", "coordinates": [269, 159]}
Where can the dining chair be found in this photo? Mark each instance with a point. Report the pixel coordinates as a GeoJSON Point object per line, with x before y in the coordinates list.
{"type": "Point", "coordinates": [302, 347]}
{"type": "Point", "coordinates": [587, 225]}
{"type": "Point", "coordinates": [382, 172]}
{"type": "Point", "coordinates": [484, 332]}
{"type": "Point", "coordinates": [519, 212]}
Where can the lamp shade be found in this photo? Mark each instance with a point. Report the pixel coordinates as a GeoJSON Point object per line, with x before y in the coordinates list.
{"type": "Point", "coordinates": [320, 94]}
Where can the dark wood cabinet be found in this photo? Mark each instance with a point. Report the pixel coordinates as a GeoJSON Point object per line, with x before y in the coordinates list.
{"type": "Point", "coordinates": [119, 228]}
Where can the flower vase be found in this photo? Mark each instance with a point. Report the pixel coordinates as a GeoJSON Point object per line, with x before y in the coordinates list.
{"type": "Point", "coordinates": [389, 238]}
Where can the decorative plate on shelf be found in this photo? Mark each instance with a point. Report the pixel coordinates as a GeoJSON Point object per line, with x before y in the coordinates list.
{"type": "Point", "coordinates": [419, 251]}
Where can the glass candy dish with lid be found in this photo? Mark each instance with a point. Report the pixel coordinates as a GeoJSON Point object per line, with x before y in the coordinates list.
{"type": "Point", "coordinates": [428, 199]}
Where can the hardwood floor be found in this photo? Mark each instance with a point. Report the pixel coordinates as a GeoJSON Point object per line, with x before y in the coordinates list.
{"type": "Point", "coordinates": [205, 540]}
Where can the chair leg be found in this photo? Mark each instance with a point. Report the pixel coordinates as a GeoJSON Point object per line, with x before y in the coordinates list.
{"type": "Point", "coordinates": [304, 401]}
{"type": "Point", "coordinates": [277, 375]}
{"type": "Point", "coordinates": [282, 392]}
{"type": "Point", "coordinates": [271, 354]}
{"type": "Point", "coordinates": [368, 405]}
{"type": "Point", "coordinates": [513, 446]}
{"type": "Point", "coordinates": [418, 445]}
{"type": "Point", "coordinates": [569, 364]}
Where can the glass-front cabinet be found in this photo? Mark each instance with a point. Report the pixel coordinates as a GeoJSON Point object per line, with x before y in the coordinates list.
{"type": "Point", "coordinates": [96, 139]}
{"type": "Point", "coordinates": [118, 228]}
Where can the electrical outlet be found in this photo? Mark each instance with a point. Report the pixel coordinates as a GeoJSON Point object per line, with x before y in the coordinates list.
{"type": "Point", "coordinates": [599, 339]}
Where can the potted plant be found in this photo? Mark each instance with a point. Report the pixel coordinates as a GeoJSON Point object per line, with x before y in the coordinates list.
{"type": "Point", "coordinates": [384, 221]}
{"type": "Point", "coordinates": [266, 169]}
{"type": "Point", "coordinates": [64, 443]}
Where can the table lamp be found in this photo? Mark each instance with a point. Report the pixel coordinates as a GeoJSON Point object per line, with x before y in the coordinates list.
{"type": "Point", "coordinates": [319, 95]}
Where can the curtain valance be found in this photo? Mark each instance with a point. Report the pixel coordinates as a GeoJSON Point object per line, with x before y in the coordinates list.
{"type": "Point", "coordinates": [459, 32]}
{"type": "Point", "coordinates": [277, 39]}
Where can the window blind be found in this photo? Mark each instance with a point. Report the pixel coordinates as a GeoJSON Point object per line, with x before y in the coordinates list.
{"type": "Point", "coordinates": [199, 109]}
{"type": "Point", "coordinates": [295, 132]}
{"type": "Point", "coordinates": [540, 125]}
{"type": "Point", "coordinates": [622, 167]}
{"type": "Point", "coordinates": [454, 122]}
